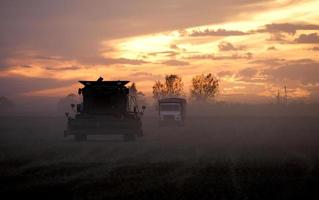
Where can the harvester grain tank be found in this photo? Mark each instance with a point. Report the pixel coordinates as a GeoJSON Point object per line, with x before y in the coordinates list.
{"type": "Point", "coordinates": [107, 108]}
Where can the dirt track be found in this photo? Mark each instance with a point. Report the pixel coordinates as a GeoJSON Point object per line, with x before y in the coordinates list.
{"type": "Point", "coordinates": [211, 157]}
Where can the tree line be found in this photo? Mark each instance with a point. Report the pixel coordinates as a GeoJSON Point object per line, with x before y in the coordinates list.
{"type": "Point", "coordinates": [203, 88]}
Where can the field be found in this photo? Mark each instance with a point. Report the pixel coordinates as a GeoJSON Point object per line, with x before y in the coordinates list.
{"type": "Point", "coordinates": [217, 157]}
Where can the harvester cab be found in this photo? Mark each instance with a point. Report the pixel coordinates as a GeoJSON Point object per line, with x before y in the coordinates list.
{"type": "Point", "coordinates": [107, 108]}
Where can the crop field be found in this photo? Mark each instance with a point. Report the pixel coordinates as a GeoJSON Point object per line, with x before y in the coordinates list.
{"type": "Point", "coordinates": [228, 157]}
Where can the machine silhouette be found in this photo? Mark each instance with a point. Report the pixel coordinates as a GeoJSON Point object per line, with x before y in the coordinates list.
{"type": "Point", "coordinates": [107, 108]}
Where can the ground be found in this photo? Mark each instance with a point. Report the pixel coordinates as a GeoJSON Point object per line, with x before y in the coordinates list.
{"type": "Point", "coordinates": [211, 157]}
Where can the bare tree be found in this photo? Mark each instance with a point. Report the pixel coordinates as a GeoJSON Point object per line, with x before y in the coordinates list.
{"type": "Point", "coordinates": [204, 87]}
{"type": "Point", "coordinates": [173, 86]}
{"type": "Point", "coordinates": [158, 90]}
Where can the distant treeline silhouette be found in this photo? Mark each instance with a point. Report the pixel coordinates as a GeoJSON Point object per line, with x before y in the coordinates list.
{"type": "Point", "coordinates": [203, 88]}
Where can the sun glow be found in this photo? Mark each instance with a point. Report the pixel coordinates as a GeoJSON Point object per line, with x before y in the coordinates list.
{"type": "Point", "coordinates": [137, 47]}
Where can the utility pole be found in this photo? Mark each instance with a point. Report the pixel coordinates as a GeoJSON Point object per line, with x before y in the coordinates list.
{"type": "Point", "coordinates": [278, 97]}
{"type": "Point", "coordinates": [286, 96]}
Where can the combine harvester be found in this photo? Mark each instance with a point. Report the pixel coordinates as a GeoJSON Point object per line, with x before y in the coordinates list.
{"type": "Point", "coordinates": [107, 109]}
{"type": "Point", "coordinates": [172, 111]}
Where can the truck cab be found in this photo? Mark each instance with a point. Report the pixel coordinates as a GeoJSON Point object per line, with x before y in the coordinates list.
{"type": "Point", "coordinates": [172, 111]}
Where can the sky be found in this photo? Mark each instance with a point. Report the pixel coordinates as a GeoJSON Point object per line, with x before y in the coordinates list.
{"type": "Point", "coordinates": [254, 47]}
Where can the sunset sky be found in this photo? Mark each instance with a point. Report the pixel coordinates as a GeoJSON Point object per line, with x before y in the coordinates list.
{"type": "Point", "coordinates": [254, 47]}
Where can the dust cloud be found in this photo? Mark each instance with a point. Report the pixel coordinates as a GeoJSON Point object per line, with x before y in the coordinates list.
{"type": "Point", "coordinates": [225, 151]}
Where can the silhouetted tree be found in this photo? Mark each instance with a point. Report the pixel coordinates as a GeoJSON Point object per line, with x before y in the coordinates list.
{"type": "Point", "coordinates": [158, 90]}
{"type": "Point", "coordinates": [204, 87]}
{"type": "Point", "coordinates": [173, 86]}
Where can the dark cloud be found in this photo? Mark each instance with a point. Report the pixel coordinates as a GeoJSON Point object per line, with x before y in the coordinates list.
{"type": "Point", "coordinates": [165, 53]}
{"type": "Point", "coordinates": [277, 37]}
{"type": "Point", "coordinates": [308, 38]}
{"type": "Point", "coordinates": [277, 62]}
{"type": "Point", "coordinates": [315, 49]}
{"type": "Point", "coordinates": [124, 61]}
{"type": "Point", "coordinates": [227, 46]}
{"type": "Point", "coordinates": [219, 32]}
{"type": "Point", "coordinates": [306, 71]}
{"type": "Point", "coordinates": [247, 72]}
{"type": "Point", "coordinates": [225, 73]}
{"type": "Point", "coordinates": [70, 68]}
{"type": "Point", "coordinates": [301, 61]}
{"type": "Point", "coordinates": [236, 56]}
{"type": "Point", "coordinates": [278, 31]}
{"type": "Point", "coordinates": [248, 55]}
{"type": "Point", "coordinates": [5, 54]}
{"type": "Point", "coordinates": [16, 85]}
{"type": "Point", "coordinates": [269, 62]}
{"type": "Point", "coordinates": [202, 57]}
{"type": "Point", "coordinates": [272, 48]}
{"type": "Point", "coordinates": [175, 63]}
{"type": "Point", "coordinates": [143, 76]}
{"type": "Point", "coordinates": [26, 66]}
{"type": "Point", "coordinates": [289, 28]}
{"type": "Point", "coordinates": [26, 57]}
{"type": "Point", "coordinates": [42, 57]}
{"type": "Point", "coordinates": [314, 92]}
{"type": "Point", "coordinates": [140, 76]}
{"type": "Point", "coordinates": [174, 46]}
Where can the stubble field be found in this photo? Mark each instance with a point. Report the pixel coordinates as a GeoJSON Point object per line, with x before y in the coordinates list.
{"type": "Point", "coordinates": [217, 157]}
